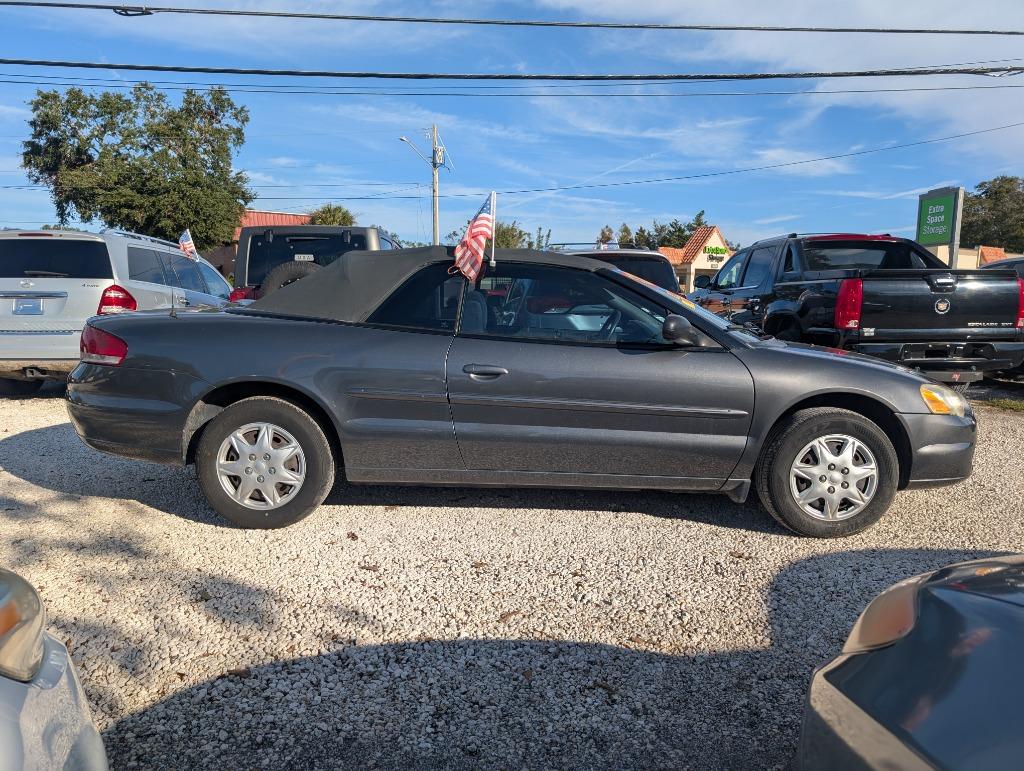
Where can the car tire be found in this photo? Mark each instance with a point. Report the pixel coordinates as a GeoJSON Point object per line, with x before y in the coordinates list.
{"type": "Point", "coordinates": [19, 389]}
{"type": "Point", "coordinates": [791, 457]}
{"type": "Point", "coordinates": [287, 423]}
{"type": "Point", "coordinates": [285, 274]}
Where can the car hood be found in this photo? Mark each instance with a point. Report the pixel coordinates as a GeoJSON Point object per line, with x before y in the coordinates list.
{"type": "Point", "coordinates": [814, 352]}
{"type": "Point", "coordinates": [997, 578]}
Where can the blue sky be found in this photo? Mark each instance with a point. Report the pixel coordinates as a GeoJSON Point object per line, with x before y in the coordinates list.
{"type": "Point", "coordinates": [295, 142]}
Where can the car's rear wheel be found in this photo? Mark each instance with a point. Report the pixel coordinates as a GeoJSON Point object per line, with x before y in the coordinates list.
{"type": "Point", "coordinates": [264, 462]}
{"type": "Point", "coordinates": [19, 388]}
{"type": "Point", "coordinates": [827, 473]}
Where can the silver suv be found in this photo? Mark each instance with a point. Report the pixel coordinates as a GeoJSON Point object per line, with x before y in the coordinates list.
{"type": "Point", "coordinates": [51, 281]}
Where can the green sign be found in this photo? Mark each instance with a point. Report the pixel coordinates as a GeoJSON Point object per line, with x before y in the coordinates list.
{"type": "Point", "coordinates": [936, 216]}
{"type": "Point", "coordinates": [716, 250]}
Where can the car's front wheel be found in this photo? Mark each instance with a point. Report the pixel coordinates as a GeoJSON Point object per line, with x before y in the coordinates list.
{"type": "Point", "coordinates": [264, 462]}
{"type": "Point", "coordinates": [827, 473]}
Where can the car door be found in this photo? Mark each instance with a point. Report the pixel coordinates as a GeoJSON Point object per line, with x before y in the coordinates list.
{"type": "Point", "coordinates": [568, 380]}
{"type": "Point", "coordinates": [717, 297]}
{"type": "Point", "coordinates": [190, 281]}
{"type": "Point", "coordinates": [396, 423]}
{"type": "Point", "coordinates": [745, 304]}
{"type": "Point", "coordinates": [218, 291]}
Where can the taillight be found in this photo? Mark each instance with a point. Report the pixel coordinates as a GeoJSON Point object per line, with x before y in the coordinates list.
{"type": "Point", "coordinates": [241, 293]}
{"type": "Point", "coordinates": [99, 347]}
{"type": "Point", "coordinates": [848, 303]}
{"type": "Point", "coordinates": [116, 299]}
{"type": "Point", "coordinates": [1020, 303]}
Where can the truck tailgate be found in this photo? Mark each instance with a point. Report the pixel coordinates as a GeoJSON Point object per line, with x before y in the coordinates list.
{"type": "Point", "coordinates": [940, 305]}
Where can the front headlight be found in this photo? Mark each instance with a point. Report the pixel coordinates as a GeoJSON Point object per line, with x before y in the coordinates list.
{"type": "Point", "coordinates": [21, 628]}
{"type": "Point", "coordinates": [890, 616]}
{"type": "Point", "coordinates": [943, 401]}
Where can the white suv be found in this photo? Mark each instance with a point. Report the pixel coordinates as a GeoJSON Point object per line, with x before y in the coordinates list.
{"type": "Point", "coordinates": [51, 281]}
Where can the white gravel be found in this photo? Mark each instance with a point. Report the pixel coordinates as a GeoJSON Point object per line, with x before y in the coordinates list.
{"type": "Point", "coordinates": [407, 627]}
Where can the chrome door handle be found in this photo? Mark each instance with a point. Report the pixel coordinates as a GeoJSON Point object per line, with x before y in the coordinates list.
{"type": "Point", "coordinates": [484, 371]}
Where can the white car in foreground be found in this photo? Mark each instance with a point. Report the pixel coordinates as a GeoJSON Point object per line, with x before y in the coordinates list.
{"type": "Point", "coordinates": [51, 281]}
{"type": "Point", "coordinates": [44, 717]}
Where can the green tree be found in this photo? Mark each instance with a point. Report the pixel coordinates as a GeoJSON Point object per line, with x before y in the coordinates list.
{"type": "Point", "coordinates": [135, 161]}
{"type": "Point", "coordinates": [542, 240]}
{"type": "Point", "coordinates": [606, 236]}
{"type": "Point", "coordinates": [994, 214]}
{"type": "Point", "coordinates": [332, 214]}
{"type": "Point", "coordinates": [625, 235]}
{"type": "Point", "coordinates": [508, 235]}
{"type": "Point", "coordinates": [644, 238]}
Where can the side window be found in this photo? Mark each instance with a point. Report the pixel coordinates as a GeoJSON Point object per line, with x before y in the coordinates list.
{"type": "Point", "coordinates": [428, 300]}
{"type": "Point", "coordinates": [790, 263]}
{"type": "Point", "coordinates": [758, 266]}
{"type": "Point", "coordinates": [728, 277]}
{"type": "Point", "coordinates": [187, 273]}
{"type": "Point", "coordinates": [547, 303]}
{"type": "Point", "coordinates": [145, 265]}
{"type": "Point", "coordinates": [216, 284]}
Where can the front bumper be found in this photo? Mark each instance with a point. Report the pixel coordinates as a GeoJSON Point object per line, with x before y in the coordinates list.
{"type": "Point", "coordinates": [135, 413]}
{"type": "Point", "coordinates": [941, 448]}
{"type": "Point", "coordinates": [949, 362]}
{"type": "Point", "coordinates": [45, 723]}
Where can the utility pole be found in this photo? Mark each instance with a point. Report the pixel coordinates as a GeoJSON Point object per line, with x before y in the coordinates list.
{"type": "Point", "coordinates": [436, 161]}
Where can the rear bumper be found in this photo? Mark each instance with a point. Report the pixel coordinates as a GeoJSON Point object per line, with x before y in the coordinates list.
{"type": "Point", "coordinates": [134, 413]}
{"type": "Point", "coordinates": [942, 449]}
{"type": "Point", "coordinates": [957, 362]}
{"type": "Point", "coordinates": [34, 369]}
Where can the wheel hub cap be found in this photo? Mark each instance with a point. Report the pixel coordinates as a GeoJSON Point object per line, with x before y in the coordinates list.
{"type": "Point", "coordinates": [261, 466]}
{"type": "Point", "coordinates": [834, 477]}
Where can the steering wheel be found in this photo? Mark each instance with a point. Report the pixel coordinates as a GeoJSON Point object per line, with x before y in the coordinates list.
{"type": "Point", "coordinates": [608, 328]}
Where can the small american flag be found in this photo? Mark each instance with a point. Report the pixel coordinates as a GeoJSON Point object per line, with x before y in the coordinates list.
{"type": "Point", "coordinates": [469, 254]}
{"type": "Point", "coordinates": [189, 248]}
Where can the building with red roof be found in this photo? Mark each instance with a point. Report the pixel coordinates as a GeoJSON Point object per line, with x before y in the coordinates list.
{"type": "Point", "coordinates": [702, 255]}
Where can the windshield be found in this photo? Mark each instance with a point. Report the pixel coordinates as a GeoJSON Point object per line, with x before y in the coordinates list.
{"type": "Point", "coordinates": [53, 258]}
{"type": "Point", "coordinates": [265, 253]}
{"type": "Point", "coordinates": [853, 255]}
{"type": "Point", "coordinates": [673, 301]}
{"type": "Point", "coordinates": [652, 269]}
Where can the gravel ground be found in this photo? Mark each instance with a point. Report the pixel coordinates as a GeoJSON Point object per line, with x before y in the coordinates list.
{"type": "Point", "coordinates": [405, 627]}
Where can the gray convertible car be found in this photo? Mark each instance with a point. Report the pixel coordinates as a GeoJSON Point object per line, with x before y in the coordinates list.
{"type": "Point", "coordinates": [553, 370]}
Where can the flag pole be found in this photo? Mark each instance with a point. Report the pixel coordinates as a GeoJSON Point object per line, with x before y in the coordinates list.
{"type": "Point", "coordinates": [494, 218]}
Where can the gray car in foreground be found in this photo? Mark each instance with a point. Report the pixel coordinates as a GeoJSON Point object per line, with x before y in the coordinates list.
{"type": "Point", "coordinates": [930, 677]}
{"type": "Point", "coordinates": [44, 716]}
{"type": "Point", "coordinates": [553, 370]}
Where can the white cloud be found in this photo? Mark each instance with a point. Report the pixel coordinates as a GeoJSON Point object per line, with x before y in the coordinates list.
{"type": "Point", "coordinates": [800, 162]}
{"type": "Point", "coordinates": [780, 218]}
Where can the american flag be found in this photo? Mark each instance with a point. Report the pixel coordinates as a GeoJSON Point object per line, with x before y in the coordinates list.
{"type": "Point", "coordinates": [469, 254]}
{"type": "Point", "coordinates": [189, 248]}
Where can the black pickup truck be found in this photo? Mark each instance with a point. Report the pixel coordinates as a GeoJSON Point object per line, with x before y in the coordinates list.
{"type": "Point", "coordinates": [878, 295]}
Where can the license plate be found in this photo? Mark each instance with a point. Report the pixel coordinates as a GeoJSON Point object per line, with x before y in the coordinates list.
{"type": "Point", "coordinates": [304, 257]}
{"type": "Point", "coordinates": [28, 306]}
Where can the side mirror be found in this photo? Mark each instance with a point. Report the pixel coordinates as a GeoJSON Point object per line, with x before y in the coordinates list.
{"type": "Point", "coordinates": [702, 282]}
{"type": "Point", "coordinates": [679, 331]}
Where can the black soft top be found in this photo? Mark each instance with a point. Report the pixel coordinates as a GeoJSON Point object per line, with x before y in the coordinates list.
{"type": "Point", "coordinates": [351, 287]}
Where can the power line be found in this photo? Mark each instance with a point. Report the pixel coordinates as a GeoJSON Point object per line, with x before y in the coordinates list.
{"type": "Point", "coordinates": [508, 76]}
{"type": "Point", "coordinates": [150, 10]}
{"type": "Point", "coordinates": [706, 175]}
{"type": "Point", "coordinates": [242, 88]}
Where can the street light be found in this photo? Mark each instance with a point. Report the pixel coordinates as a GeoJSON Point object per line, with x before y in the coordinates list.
{"type": "Point", "coordinates": [436, 163]}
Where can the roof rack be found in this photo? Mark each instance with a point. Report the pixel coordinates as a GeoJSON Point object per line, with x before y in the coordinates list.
{"type": "Point", "coordinates": [139, 237]}
{"type": "Point", "coordinates": [595, 246]}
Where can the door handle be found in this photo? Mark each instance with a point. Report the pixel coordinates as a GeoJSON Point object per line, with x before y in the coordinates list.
{"type": "Point", "coordinates": [484, 371]}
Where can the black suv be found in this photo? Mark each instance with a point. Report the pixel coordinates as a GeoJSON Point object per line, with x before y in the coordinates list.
{"type": "Point", "coordinates": [878, 295]}
{"type": "Point", "coordinates": [272, 256]}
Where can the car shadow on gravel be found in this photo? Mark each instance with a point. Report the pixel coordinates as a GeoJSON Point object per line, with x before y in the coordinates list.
{"type": "Point", "coordinates": [501, 703]}
{"type": "Point", "coordinates": [55, 459]}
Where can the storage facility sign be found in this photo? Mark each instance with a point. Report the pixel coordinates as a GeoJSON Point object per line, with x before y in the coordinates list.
{"type": "Point", "coordinates": [936, 217]}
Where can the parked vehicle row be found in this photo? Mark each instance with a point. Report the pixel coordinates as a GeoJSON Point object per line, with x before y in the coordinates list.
{"type": "Point", "coordinates": [554, 370]}
{"type": "Point", "coordinates": [51, 281]}
{"type": "Point", "coordinates": [878, 295]}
